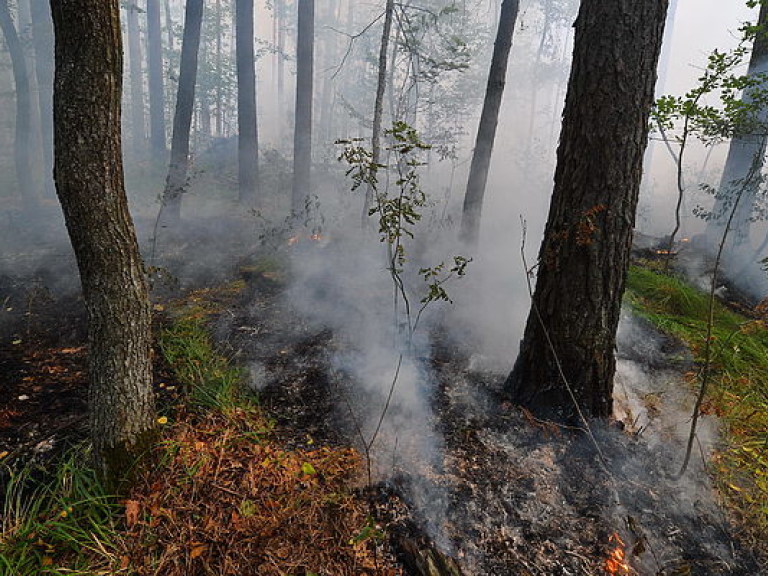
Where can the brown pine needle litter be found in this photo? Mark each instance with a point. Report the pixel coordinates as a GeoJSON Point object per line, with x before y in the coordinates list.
{"type": "Point", "coordinates": [228, 500]}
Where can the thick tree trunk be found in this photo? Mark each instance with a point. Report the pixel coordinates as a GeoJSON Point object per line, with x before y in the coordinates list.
{"type": "Point", "coordinates": [302, 137]}
{"type": "Point", "coordinates": [489, 119]}
{"type": "Point", "coordinates": [138, 135]}
{"type": "Point", "coordinates": [584, 256]}
{"type": "Point", "coordinates": [746, 155]}
{"type": "Point", "coordinates": [42, 32]}
{"type": "Point", "coordinates": [156, 91]}
{"type": "Point", "coordinates": [23, 116]}
{"type": "Point", "coordinates": [89, 182]}
{"type": "Point", "coordinates": [176, 181]}
{"type": "Point", "coordinates": [248, 135]}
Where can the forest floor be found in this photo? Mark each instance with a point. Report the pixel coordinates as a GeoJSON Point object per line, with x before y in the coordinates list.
{"type": "Point", "coordinates": [501, 493]}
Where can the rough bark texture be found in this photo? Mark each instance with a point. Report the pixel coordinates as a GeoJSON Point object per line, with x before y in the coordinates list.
{"type": "Point", "coordinates": [156, 91]}
{"type": "Point", "coordinates": [176, 181]}
{"type": "Point", "coordinates": [138, 134]}
{"type": "Point", "coordinates": [302, 137]}
{"type": "Point", "coordinates": [42, 32]}
{"type": "Point", "coordinates": [584, 256]}
{"type": "Point", "coordinates": [23, 111]}
{"type": "Point", "coordinates": [486, 132]}
{"type": "Point", "coordinates": [745, 156]}
{"type": "Point", "coordinates": [89, 182]}
{"type": "Point", "coordinates": [248, 135]}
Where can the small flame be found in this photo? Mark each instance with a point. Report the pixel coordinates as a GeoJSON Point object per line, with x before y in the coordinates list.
{"type": "Point", "coordinates": [616, 561]}
{"type": "Point", "coordinates": [293, 240]}
{"type": "Point", "coordinates": [685, 240]}
{"type": "Point", "coordinates": [663, 252]}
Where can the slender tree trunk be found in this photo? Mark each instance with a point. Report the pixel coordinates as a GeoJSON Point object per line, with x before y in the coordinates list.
{"type": "Point", "coordinates": [744, 151]}
{"type": "Point", "coordinates": [378, 105]}
{"type": "Point", "coordinates": [89, 182]}
{"type": "Point", "coordinates": [248, 135]}
{"type": "Point", "coordinates": [489, 118]}
{"type": "Point", "coordinates": [584, 257]}
{"type": "Point", "coordinates": [42, 31]}
{"type": "Point", "coordinates": [23, 116]}
{"type": "Point", "coordinates": [156, 90]}
{"type": "Point", "coordinates": [137, 81]}
{"type": "Point", "coordinates": [280, 12]}
{"type": "Point", "coordinates": [302, 137]}
{"type": "Point", "coordinates": [176, 181]}
{"type": "Point", "coordinates": [169, 26]}
{"type": "Point", "coordinates": [24, 19]}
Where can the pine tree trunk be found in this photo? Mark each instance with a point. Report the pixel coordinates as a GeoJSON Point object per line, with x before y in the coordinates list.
{"type": "Point", "coordinates": [137, 81]}
{"type": "Point", "coordinates": [156, 90]}
{"type": "Point", "coordinates": [248, 135]}
{"type": "Point", "coordinates": [745, 155]}
{"type": "Point", "coordinates": [378, 105]}
{"type": "Point", "coordinates": [42, 32]}
{"type": "Point", "coordinates": [302, 137]}
{"type": "Point", "coordinates": [176, 181]}
{"type": "Point", "coordinates": [23, 116]}
{"type": "Point", "coordinates": [489, 119]}
{"type": "Point", "coordinates": [584, 256]}
{"type": "Point", "coordinates": [89, 182]}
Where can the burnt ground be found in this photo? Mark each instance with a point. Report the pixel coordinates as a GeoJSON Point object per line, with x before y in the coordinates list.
{"type": "Point", "coordinates": [501, 492]}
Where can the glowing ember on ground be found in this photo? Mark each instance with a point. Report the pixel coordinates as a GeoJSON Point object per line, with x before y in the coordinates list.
{"type": "Point", "coordinates": [293, 240]}
{"type": "Point", "coordinates": [616, 561]}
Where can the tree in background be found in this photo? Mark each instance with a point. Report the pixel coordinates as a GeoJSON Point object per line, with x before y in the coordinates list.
{"type": "Point", "coordinates": [746, 152]}
{"type": "Point", "coordinates": [42, 33]}
{"type": "Point", "coordinates": [136, 76]}
{"type": "Point", "coordinates": [302, 136]}
{"type": "Point", "coordinates": [156, 91]}
{"type": "Point", "coordinates": [566, 362]}
{"type": "Point", "coordinates": [248, 134]}
{"type": "Point", "coordinates": [22, 148]}
{"type": "Point", "coordinates": [89, 182]}
{"type": "Point", "coordinates": [489, 119]}
{"type": "Point", "coordinates": [182, 120]}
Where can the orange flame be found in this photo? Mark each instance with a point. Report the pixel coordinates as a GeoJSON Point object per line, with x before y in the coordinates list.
{"type": "Point", "coordinates": [293, 240]}
{"type": "Point", "coordinates": [616, 561]}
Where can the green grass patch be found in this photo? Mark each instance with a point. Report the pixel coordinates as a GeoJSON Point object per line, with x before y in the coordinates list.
{"type": "Point", "coordinates": [59, 523]}
{"type": "Point", "coordinates": [738, 391]}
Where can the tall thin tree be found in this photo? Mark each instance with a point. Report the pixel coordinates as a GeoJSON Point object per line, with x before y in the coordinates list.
{"type": "Point", "coordinates": [42, 32]}
{"type": "Point", "coordinates": [176, 181]}
{"type": "Point", "coordinates": [302, 137]}
{"type": "Point", "coordinates": [23, 116]}
{"type": "Point", "coordinates": [89, 183]}
{"type": "Point", "coordinates": [156, 90]}
{"type": "Point", "coordinates": [489, 119]}
{"type": "Point", "coordinates": [248, 134]}
{"type": "Point", "coordinates": [138, 132]}
{"type": "Point", "coordinates": [566, 363]}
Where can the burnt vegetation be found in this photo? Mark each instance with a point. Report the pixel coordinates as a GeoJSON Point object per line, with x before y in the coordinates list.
{"type": "Point", "coordinates": [423, 288]}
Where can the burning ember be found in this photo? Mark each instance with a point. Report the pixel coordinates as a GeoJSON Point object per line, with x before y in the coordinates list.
{"type": "Point", "coordinates": [293, 240]}
{"type": "Point", "coordinates": [616, 561]}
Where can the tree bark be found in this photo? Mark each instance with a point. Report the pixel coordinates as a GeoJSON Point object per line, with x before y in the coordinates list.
{"type": "Point", "coordinates": [743, 152]}
{"type": "Point", "coordinates": [89, 183]}
{"type": "Point", "coordinates": [137, 81]}
{"type": "Point", "coordinates": [248, 134]}
{"type": "Point", "coordinates": [23, 115]}
{"type": "Point", "coordinates": [302, 136]}
{"type": "Point", "coordinates": [176, 181]}
{"type": "Point", "coordinates": [42, 32]}
{"type": "Point", "coordinates": [584, 256]}
{"type": "Point", "coordinates": [489, 119]}
{"type": "Point", "coordinates": [156, 90]}
{"type": "Point", "coordinates": [378, 105]}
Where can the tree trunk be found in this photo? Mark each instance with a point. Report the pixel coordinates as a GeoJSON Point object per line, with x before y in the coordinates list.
{"type": "Point", "coordinates": [280, 15]}
{"type": "Point", "coordinates": [89, 182]}
{"type": "Point", "coordinates": [42, 32]}
{"type": "Point", "coordinates": [584, 256]}
{"type": "Point", "coordinates": [302, 137]}
{"type": "Point", "coordinates": [176, 181]}
{"type": "Point", "coordinates": [248, 135]}
{"type": "Point", "coordinates": [137, 81]}
{"type": "Point", "coordinates": [156, 91]}
{"type": "Point", "coordinates": [23, 116]}
{"type": "Point", "coordinates": [744, 151]}
{"type": "Point", "coordinates": [489, 119]}
{"type": "Point", "coordinates": [378, 105]}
